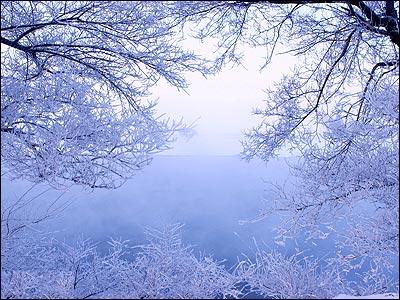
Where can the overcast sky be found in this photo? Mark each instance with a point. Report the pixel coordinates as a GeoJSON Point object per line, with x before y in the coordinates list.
{"type": "Point", "coordinates": [223, 104]}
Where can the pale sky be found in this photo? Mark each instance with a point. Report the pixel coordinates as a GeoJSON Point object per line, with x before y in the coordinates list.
{"type": "Point", "coordinates": [223, 104]}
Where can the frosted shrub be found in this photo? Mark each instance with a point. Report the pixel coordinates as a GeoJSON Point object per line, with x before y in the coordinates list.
{"type": "Point", "coordinates": [164, 268]}
{"type": "Point", "coordinates": [271, 274]}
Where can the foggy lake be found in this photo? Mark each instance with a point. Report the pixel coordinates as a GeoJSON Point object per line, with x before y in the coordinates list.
{"type": "Point", "coordinates": [208, 194]}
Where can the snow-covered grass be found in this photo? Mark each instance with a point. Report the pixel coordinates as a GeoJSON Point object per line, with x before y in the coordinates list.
{"type": "Point", "coordinates": [163, 268]}
{"type": "Point", "coordinates": [36, 266]}
{"type": "Point", "coordinates": [376, 296]}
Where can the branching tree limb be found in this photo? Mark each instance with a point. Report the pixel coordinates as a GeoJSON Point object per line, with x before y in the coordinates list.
{"type": "Point", "coordinates": [338, 109]}
{"type": "Point", "coordinates": [75, 81]}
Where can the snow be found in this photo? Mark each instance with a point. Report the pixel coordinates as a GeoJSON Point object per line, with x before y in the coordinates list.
{"type": "Point", "coordinates": [377, 296]}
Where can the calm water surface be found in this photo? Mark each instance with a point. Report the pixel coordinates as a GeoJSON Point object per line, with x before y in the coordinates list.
{"type": "Point", "coordinates": [209, 194]}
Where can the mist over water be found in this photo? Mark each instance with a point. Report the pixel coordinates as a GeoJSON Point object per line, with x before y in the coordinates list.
{"type": "Point", "coordinates": [209, 194]}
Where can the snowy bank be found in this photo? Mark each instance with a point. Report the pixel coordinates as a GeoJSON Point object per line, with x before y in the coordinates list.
{"type": "Point", "coordinates": [377, 296]}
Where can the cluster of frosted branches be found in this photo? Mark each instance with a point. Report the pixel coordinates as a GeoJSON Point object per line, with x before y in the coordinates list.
{"type": "Point", "coordinates": [273, 275]}
{"type": "Point", "coordinates": [74, 87]}
{"type": "Point", "coordinates": [34, 267]}
{"type": "Point", "coordinates": [338, 108]}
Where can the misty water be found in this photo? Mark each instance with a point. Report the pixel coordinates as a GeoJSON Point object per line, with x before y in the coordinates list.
{"type": "Point", "coordinates": [209, 194]}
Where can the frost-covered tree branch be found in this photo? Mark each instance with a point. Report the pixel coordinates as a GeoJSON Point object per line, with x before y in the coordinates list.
{"type": "Point", "coordinates": [75, 79]}
{"type": "Point", "coordinates": [338, 109]}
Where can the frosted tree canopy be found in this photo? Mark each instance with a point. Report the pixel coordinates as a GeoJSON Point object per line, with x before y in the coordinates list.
{"type": "Point", "coordinates": [75, 79]}
{"type": "Point", "coordinates": [76, 109]}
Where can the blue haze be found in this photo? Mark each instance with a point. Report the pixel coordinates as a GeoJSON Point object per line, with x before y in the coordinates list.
{"type": "Point", "coordinates": [209, 194]}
